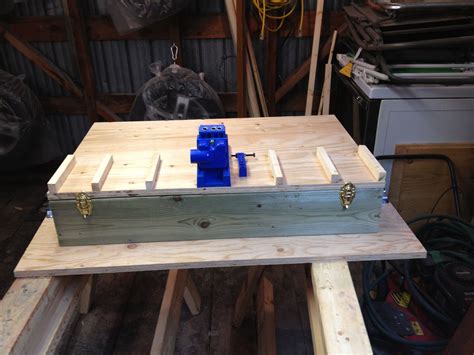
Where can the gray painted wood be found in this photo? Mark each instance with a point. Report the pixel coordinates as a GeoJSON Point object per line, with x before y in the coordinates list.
{"type": "Point", "coordinates": [195, 217]}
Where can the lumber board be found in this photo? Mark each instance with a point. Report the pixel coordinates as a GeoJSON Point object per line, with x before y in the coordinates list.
{"type": "Point", "coordinates": [275, 167]}
{"type": "Point", "coordinates": [168, 320]}
{"type": "Point", "coordinates": [327, 164]}
{"type": "Point", "coordinates": [44, 257]}
{"type": "Point", "coordinates": [57, 180]}
{"type": "Point", "coordinates": [192, 296]}
{"type": "Point", "coordinates": [212, 217]}
{"type": "Point", "coordinates": [35, 313]}
{"type": "Point", "coordinates": [133, 145]}
{"type": "Point", "coordinates": [338, 323]}
{"type": "Point", "coordinates": [102, 172]}
{"type": "Point", "coordinates": [152, 176]}
{"type": "Point", "coordinates": [372, 164]}
{"type": "Point", "coordinates": [314, 56]}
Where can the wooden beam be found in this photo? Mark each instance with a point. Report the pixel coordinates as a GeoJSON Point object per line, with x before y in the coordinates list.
{"type": "Point", "coordinates": [76, 32]}
{"type": "Point", "coordinates": [52, 70]}
{"type": "Point", "coordinates": [325, 99]}
{"type": "Point", "coordinates": [57, 180]}
{"type": "Point", "coordinates": [275, 167]}
{"type": "Point", "coordinates": [266, 337]}
{"type": "Point", "coordinates": [35, 313]}
{"type": "Point", "coordinates": [102, 172]}
{"type": "Point", "coordinates": [85, 301]}
{"type": "Point", "coordinates": [244, 300]}
{"type": "Point", "coordinates": [152, 176]}
{"type": "Point", "coordinates": [375, 168]}
{"type": "Point", "coordinates": [271, 59]}
{"type": "Point", "coordinates": [168, 321]}
{"type": "Point", "coordinates": [336, 320]}
{"type": "Point", "coordinates": [241, 58]}
{"type": "Point", "coordinates": [314, 57]}
{"type": "Point", "coordinates": [328, 166]}
{"type": "Point", "coordinates": [192, 297]}
{"type": "Point", "coordinates": [101, 28]}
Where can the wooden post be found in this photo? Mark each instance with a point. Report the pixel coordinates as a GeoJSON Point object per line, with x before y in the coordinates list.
{"type": "Point", "coordinates": [85, 302]}
{"type": "Point", "coordinates": [266, 338]}
{"type": "Point", "coordinates": [168, 321]}
{"type": "Point", "coordinates": [76, 31]}
{"type": "Point", "coordinates": [314, 57]}
{"type": "Point", "coordinates": [241, 60]}
{"type": "Point", "coordinates": [246, 292]}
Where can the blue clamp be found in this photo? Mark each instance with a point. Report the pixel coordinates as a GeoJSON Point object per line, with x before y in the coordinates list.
{"type": "Point", "coordinates": [242, 162]}
{"type": "Point", "coordinates": [212, 156]}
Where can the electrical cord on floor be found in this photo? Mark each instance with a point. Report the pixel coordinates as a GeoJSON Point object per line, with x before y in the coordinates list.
{"type": "Point", "coordinates": [449, 238]}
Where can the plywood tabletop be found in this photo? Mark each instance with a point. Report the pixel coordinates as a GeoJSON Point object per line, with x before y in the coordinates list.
{"type": "Point", "coordinates": [135, 145]}
{"type": "Point", "coordinates": [44, 257]}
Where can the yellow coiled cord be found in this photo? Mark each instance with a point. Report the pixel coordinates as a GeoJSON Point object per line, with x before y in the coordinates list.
{"type": "Point", "coordinates": [272, 9]}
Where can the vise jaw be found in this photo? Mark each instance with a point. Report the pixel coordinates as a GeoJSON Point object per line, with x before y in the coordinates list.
{"type": "Point", "coordinates": [212, 156]}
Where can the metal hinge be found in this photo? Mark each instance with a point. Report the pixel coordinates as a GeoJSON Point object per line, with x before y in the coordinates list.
{"type": "Point", "coordinates": [84, 204]}
{"type": "Point", "coordinates": [347, 194]}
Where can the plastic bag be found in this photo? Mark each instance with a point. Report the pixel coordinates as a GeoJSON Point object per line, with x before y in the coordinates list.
{"type": "Point", "coordinates": [176, 93]}
{"type": "Point", "coordinates": [133, 15]}
{"type": "Point", "coordinates": [20, 111]}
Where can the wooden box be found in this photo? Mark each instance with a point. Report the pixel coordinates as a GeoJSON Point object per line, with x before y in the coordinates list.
{"type": "Point", "coordinates": [139, 181]}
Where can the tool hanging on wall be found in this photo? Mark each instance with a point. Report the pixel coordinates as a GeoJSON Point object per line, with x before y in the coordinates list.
{"type": "Point", "coordinates": [278, 10]}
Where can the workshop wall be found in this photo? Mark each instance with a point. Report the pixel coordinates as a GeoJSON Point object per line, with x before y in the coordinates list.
{"type": "Point", "coordinates": [122, 66]}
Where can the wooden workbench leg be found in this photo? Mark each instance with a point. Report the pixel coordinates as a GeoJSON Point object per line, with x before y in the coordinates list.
{"type": "Point", "coordinates": [85, 302]}
{"type": "Point", "coordinates": [266, 338]}
{"type": "Point", "coordinates": [249, 287]}
{"type": "Point", "coordinates": [337, 325]}
{"type": "Point", "coordinates": [170, 311]}
{"type": "Point", "coordinates": [192, 297]}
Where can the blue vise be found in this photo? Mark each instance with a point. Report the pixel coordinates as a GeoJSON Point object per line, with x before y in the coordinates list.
{"type": "Point", "coordinates": [212, 156]}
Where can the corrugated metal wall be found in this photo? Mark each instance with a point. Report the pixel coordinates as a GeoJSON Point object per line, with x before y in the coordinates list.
{"type": "Point", "coordinates": [122, 66]}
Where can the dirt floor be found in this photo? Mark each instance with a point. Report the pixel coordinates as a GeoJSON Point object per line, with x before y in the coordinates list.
{"type": "Point", "coordinates": [126, 306]}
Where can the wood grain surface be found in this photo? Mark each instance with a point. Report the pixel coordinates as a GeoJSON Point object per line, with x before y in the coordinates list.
{"type": "Point", "coordinates": [216, 216]}
{"type": "Point", "coordinates": [134, 146]}
{"type": "Point", "coordinates": [44, 257]}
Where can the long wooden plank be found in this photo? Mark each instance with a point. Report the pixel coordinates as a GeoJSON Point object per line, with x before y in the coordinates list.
{"type": "Point", "coordinates": [168, 320]}
{"type": "Point", "coordinates": [340, 326]}
{"type": "Point", "coordinates": [35, 313]}
{"type": "Point", "coordinates": [44, 257]}
{"type": "Point", "coordinates": [314, 56]}
{"type": "Point", "coordinates": [192, 296]}
{"type": "Point", "coordinates": [194, 217]}
{"type": "Point", "coordinates": [57, 180]}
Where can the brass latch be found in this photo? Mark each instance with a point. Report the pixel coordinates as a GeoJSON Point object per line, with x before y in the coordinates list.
{"type": "Point", "coordinates": [347, 194]}
{"type": "Point", "coordinates": [84, 204]}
